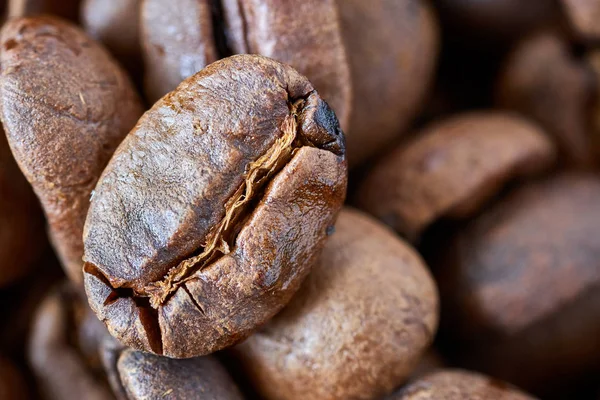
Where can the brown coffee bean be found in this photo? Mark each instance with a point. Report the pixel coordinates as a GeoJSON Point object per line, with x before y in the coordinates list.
{"type": "Point", "coordinates": [116, 25]}
{"type": "Point", "coordinates": [66, 105]}
{"type": "Point", "coordinates": [212, 210]}
{"type": "Point", "coordinates": [26, 8]}
{"type": "Point", "coordinates": [452, 168]}
{"type": "Point", "coordinates": [392, 68]}
{"type": "Point", "coordinates": [357, 327]}
{"type": "Point", "coordinates": [22, 241]}
{"type": "Point", "coordinates": [521, 284]}
{"type": "Point", "coordinates": [180, 40]}
{"type": "Point", "coordinates": [583, 16]}
{"type": "Point", "coordinates": [542, 80]}
{"type": "Point", "coordinates": [136, 375]}
{"type": "Point", "coordinates": [456, 384]}
{"type": "Point", "coordinates": [64, 349]}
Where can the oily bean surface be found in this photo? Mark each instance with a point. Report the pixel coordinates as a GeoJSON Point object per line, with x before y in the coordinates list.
{"type": "Point", "coordinates": [195, 223]}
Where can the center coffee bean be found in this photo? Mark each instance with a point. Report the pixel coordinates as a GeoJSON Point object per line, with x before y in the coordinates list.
{"type": "Point", "coordinates": [213, 209]}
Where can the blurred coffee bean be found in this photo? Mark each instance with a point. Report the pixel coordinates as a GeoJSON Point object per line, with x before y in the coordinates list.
{"type": "Point", "coordinates": [452, 168]}
{"type": "Point", "coordinates": [135, 375]}
{"type": "Point", "coordinates": [64, 348]}
{"type": "Point", "coordinates": [66, 105]}
{"type": "Point", "coordinates": [520, 285]}
{"type": "Point", "coordinates": [454, 384]}
{"type": "Point", "coordinates": [358, 326]}
{"type": "Point", "coordinates": [543, 80]}
{"type": "Point", "coordinates": [583, 16]}
{"type": "Point", "coordinates": [116, 25]}
{"type": "Point", "coordinates": [392, 48]}
{"type": "Point", "coordinates": [61, 8]}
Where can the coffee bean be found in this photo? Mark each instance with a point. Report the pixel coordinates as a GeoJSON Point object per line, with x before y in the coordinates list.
{"type": "Point", "coordinates": [392, 68]}
{"type": "Point", "coordinates": [116, 25]}
{"type": "Point", "coordinates": [458, 385]}
{"type": "Point", "coordinates": [521, 281]}
{"type": "Point", "coordinates": [65, 367]}
{"type": "Point", "coordinates": [136, 375]}
{"type": "Point", "coordinates": [66, 105]}
{"type": "Point", "coordinates": [582, 15]}
{"type": "Point", "coordinates": [452, 168]}
{"type": "Point", "coordinates": [543, 80]}
{"type": "Point", "coordinates": [357, 327]}
{"type": "Point", "coordinates": [212, 210]}
{"type": "Point", "coordinates": [27, 8]}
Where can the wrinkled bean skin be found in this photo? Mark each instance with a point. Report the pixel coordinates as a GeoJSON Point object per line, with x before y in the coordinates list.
{"type": "Point", "coordinates": [135, 375]}
{"type": "Point", "coordinates": [392, 68]}
{"type": "Point", "coordinates": [521, 282]}
{"type": "Point", "coordinates": [27, 8]}
{"type": "Point", "coordinates": [180, 40]}
{"type": "Point", "coordinates": [206, 221]}
{"type": "Point", "coordinates": [61, 91]}
{"type": "Point", "coordinates": [116, 25]}
{"type": "Point", "coordinates": [543, 81]}
{"type": "Point", "coordinates": [22, 241]}
{"type": "Point", "coordinates": [60, 366]}
{"type": "Point", "coordinates": [452, 168]}
{"type": "Point", "coordinates": [357, 327]}
{"type": "Point", "coordinates": [12, 385]}
{"type": "Point", "coordinates": [456, 384]}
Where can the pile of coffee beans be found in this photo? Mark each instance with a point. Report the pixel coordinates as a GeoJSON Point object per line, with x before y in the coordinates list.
{"type": "Point", "coordinates": [286, 200]}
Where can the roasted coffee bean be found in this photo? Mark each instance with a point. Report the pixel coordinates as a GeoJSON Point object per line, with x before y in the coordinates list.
{"type": "Point", "coordinates": [65, 106]}
{"type": "Point", "coordinates": [458, 385]}
{"type": "Point", "coordinates": [213, 209]}
{"type": "Point", "coordinates": [64, 349]}
{"type": "Point", "coordinates": [116, 25]}
{"type": "Point", "coordinates": [26, 8]}
{"type": "Point", "coordinates": [392, 68]}
{"type": "Point", "coordinates": [583, 16]}
{"type": "Point", "coordinates": [357, 327]}
{"type": "Point", "coordinates": [452, 168]}
{"type": "Point", "coordinates": [136, 375]}
{"type": "Point", "coordinates": [22, 240]}
{"type": "Point", "coordinates": [543, 80]}
{"type": "Point", "coordinates": [521, 285]}
{"type": "Point", "coordinates": [12, 385]}
{"type": "Point", "coordinates": [179, 40]}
